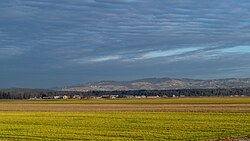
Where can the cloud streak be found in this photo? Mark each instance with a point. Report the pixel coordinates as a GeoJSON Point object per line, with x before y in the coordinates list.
{"type": "Point", "coordinates": [237, 49]}
{"type": "Point", "coordinates": [173, 52]}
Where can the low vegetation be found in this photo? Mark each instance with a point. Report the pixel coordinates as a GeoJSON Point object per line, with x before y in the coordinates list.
{"type": "Point", "coordinates": [122, 126]}
{"type": "Point", "coordinates": [125, 119]}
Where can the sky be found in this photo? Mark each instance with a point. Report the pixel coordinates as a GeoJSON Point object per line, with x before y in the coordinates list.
{"type": "Point", "coordinates": [47, 43]}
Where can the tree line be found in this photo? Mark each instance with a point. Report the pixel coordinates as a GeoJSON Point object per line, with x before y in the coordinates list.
{"type": "Point", "coordinates": [41, 93]}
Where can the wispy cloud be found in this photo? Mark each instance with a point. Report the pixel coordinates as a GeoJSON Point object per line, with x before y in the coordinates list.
{"type": "Point", "coordinates": [173, 52]}
{"type": "Point", "coordinates": [11, 51]}
{"type": "Point", "coordinates": [105, 58]}
{"type": "Point", "coordinates": [86, 60]}
{"type": "Point", "coordinates": [237, 49]}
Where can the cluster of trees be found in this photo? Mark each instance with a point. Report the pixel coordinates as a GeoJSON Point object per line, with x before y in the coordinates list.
{"type": "Point", "coordinates": [177, 92]}
{"type": "Point", "coordinates": [41, 93]}
{"type": "Point", "coordinates": [32, 93]}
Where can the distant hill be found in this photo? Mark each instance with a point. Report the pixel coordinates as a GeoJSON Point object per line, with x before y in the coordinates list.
{"type": "Point", "coordinates": [160, 84]}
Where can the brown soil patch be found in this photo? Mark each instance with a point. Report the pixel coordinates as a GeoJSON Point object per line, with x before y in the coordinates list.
{"type": "Point", "coordinates": [234, 108]}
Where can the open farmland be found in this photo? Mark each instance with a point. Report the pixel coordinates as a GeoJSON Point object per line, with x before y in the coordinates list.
{"type": "Point", "coordinates": [125, 119]}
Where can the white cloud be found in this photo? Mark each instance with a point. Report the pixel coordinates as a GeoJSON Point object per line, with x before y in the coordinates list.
{"type": "Point", "coordinates": [105, 58]}
{"type": "Point", "coordinates": [166, 53]}
{"type": "Point", "coordinates": [86, 60]}
{"type": "Point", "coordinates": [237, 49]}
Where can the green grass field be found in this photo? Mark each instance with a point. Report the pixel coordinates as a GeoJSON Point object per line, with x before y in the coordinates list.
{"type": "Point", "coordinates": [125, 125]}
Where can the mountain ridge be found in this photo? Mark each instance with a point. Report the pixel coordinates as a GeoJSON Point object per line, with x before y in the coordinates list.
{"type": "Point", "coordinates": [164, 83]}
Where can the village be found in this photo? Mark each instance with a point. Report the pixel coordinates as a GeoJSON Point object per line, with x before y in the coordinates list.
{"type": "Point", "coordinates": [65, 97]}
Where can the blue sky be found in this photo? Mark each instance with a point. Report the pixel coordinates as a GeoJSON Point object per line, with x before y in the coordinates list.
{"type": "Point", "coordinates": [46, 43]}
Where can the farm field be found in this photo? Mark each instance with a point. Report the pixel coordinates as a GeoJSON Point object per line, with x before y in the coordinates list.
{"type": "Point", "coordinates": [125, 119]}
{"type": "Point", "coordinates": [196, 100]}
